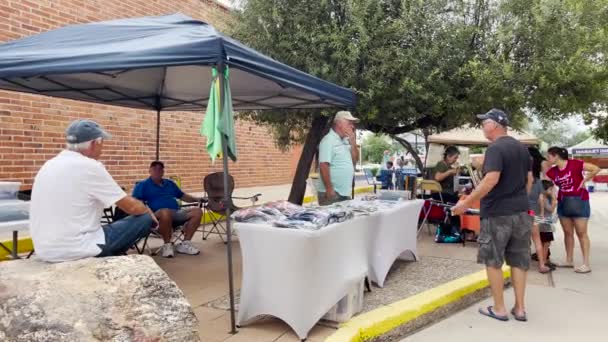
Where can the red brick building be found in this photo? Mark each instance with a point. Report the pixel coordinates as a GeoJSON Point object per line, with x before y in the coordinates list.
{"type": "Point", "coordinates": [32, 127]}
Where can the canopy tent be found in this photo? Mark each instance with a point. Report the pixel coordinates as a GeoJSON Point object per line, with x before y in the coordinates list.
{"type": "Point", "coordinates": [159, 63]}
{"type": "Point", "coordinates": [589, 147]}
{"type": "Point", "coordinates": [467, 135]}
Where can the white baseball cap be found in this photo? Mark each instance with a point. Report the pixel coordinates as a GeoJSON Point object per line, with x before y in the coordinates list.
{"type": "Point", "coordinates": [345, 115]}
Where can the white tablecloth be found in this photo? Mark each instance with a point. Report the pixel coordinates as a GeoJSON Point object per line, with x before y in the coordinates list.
{"type": "Point", "coordinates": [393, 236]}
{"type": "Point", "coordinates": [298, 275]}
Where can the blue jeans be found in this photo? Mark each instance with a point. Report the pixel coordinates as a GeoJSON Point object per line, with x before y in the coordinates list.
{"type": "Point", "coordinates": [123, 234]}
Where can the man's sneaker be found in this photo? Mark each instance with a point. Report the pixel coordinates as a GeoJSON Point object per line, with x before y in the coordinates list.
{"type": "Point", "coordinates": [186, 248]}
{"type": "Point", "coordinates": [166, 251]}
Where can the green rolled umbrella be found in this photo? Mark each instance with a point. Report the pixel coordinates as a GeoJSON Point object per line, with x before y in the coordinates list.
{"type": "Point", "coordinates": [219, 119]}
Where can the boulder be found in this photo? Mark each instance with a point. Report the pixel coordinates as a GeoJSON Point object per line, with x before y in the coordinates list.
{"type": "Point", "coordinates": [127, 298]}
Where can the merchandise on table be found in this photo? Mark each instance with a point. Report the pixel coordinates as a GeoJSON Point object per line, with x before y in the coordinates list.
{"type": "Point", "coordinates": [288, 215]}
{"type": "Point", "coordinates": [286, 208]}
{"type": "Point", "coordinates": [296, 224]}
{"type": "Point", "coordinates": [257, 215]}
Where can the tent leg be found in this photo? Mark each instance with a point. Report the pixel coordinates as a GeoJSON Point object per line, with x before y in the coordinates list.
{"type": "Point", "coordinates": [157, 134]}
{"type": "Point", "coordinates": [228, 203]}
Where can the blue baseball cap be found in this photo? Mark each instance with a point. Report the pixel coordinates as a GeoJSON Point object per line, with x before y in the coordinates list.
{"type": "Point", "coordinates": [495, 115]}
{"type": "Point", "coordinates": [84, 130]}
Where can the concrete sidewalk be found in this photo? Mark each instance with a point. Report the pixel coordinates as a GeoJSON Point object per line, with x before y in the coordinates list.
{"type": "Point", "coordinates": [574, 305]}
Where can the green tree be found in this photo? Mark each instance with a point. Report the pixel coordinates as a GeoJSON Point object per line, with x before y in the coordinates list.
{"type": "Point", "coordinates": [560, 134]}
{"type": "Point", "coordinates": [373, 147]}
{"type": "Point", "coordinates": [431, 65]}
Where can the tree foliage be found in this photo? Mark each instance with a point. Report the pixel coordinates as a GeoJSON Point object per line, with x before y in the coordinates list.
{"type": "Point", "coordinates": [560, 134]}
{"type": "Point", "coordinates": [433, 64]}
{"type": "Point", "coordinates": [373, 147]}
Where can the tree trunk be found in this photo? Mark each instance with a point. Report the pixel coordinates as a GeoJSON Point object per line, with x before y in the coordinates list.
{"type": "Point", "coordinates": [411, 150]}
{"type": "Point", "coordinates": [313, 138]}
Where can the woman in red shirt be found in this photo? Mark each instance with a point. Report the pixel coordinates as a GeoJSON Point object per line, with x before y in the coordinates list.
{"type": "Point", "coordinates": [573, 201]}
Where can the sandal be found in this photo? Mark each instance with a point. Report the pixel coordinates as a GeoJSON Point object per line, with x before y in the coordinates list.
{"type": "Point", "coordinates": [551, 265]}
{"type": "Point", "coordinates": [490, 313]}
{"type": "Point", "coordinates": [582, 269]}
{"type": "Point", "coordinates": [545, 270]}
{"type": "Point", "coordinates": [522, 318]}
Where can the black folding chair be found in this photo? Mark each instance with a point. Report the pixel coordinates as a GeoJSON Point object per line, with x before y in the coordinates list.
{"type": "Point", "coordinates": [216, 208]}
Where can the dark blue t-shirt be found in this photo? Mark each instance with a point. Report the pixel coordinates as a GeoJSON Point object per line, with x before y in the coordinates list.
{"type": "Point", "coordinates": [158, 196]}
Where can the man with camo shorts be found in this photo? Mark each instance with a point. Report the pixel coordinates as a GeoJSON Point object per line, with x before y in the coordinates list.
{"type": "Point", "coordinates": [505, 223]}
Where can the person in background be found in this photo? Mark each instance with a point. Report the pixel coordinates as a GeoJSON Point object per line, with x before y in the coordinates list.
{"type": "Point", "coordinates": [338, 154]}
{"type": "Point", "coordinates": [68, 197]}
{"type": "Point", "coordinates": [160, 195]}
{"type": "Point", "coordinates": [386, 176]}
{"type": "Point", "coordinates": [573, 207]}
{"type": "Point", "coordinates": [548, 204]}
{"type": "Point", "coordinates": [445, 172]}
{"type": "Point", "coordinates": [505, 223]}
{"type": "Point", "coordinates": [535, 207]}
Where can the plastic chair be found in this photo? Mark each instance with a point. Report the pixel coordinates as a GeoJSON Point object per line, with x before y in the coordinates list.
{"type": "Point", "coordinates": [216, 207]}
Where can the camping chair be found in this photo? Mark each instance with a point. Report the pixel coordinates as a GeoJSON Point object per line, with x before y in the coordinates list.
{"type": "Point", "coordinates": [431, 213]}
{"type": "Point", "coordinates": [215, 208]}
{"type": "Point", "coordinates": [369, 177]}
{"type": "Point", "coordinates": [107, 216]}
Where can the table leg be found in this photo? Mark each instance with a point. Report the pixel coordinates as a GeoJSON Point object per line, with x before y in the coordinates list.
{"type": "Point", "coordinates": [15, 241]}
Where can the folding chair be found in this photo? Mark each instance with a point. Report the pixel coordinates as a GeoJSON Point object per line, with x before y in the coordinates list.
{"type": "Point", "coordinates": [107, 216]}
{"type": "Point", "coordinates": [216, 208]}
{"type": "Point", "coordinates": [369, 177]}
{"type": "Point", "coordinates": [431, 213]}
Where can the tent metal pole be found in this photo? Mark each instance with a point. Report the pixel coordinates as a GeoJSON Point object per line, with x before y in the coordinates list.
{"type": "Point", "coordinates": [228, 205]}
{"type": "Point", "coordinates": [157, 134]}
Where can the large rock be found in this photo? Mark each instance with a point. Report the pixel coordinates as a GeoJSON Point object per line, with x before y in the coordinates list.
{"type": "Point", "coordinates": [125, 298]}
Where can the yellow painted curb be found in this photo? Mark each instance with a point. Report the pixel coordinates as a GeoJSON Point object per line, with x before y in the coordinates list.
{"type": "Point", "coordinates": [23, 246]}
{"type": "Point", "coordinates": [386, 318]}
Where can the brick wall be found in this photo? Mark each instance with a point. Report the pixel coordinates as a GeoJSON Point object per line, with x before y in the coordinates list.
{"type": "Point", "coordinates": [31, 127]}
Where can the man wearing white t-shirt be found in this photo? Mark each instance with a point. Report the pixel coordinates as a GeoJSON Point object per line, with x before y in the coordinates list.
{"type": "Point", "coordinates": [68, 197]}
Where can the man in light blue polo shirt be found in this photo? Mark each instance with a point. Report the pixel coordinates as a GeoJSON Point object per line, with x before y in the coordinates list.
{"type": "Point", "coordinates": [338, 154]}
{"type": "Point", "coordinates": [161, 196]}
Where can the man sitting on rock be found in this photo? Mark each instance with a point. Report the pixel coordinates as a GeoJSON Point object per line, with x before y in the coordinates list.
{"type": "Point", "coordinates": [160, 195]}
{"type": "Point", "coordinates": [68, 197]}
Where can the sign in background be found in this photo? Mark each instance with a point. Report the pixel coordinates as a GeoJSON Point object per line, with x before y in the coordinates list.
{"type": "Point", "coordinates": [587, 151]}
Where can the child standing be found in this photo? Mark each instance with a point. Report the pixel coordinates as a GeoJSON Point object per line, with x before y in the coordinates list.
{"type": "Point", "coordinates": [547, 203]}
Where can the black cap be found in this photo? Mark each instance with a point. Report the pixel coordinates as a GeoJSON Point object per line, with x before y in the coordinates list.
{"type": "Point", "coordinates": [496, 115]}
{"type": "Point", "coordinates": [84, 130]}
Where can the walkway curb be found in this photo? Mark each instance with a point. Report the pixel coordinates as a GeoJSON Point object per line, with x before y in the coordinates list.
{"type": "Point", "coordinates": [374, 324]}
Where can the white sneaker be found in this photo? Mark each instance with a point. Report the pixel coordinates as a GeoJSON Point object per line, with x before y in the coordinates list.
{"type": "Point", "coordinates": [186, 247]}
{"type": "Point", "coordinates": [166, 251]}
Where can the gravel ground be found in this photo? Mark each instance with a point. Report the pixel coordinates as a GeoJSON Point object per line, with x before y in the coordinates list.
{"type": "Point", "coordinates": [409, 278]}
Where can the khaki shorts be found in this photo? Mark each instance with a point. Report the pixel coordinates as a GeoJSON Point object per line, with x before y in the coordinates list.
{"type": "Point", "coordinates": [180, 217]}
{"type": "Point", "coordinates": [505, 238]}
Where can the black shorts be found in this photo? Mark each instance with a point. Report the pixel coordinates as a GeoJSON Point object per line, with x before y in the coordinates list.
{"type": "Point", "coordinates": [546, 236]}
